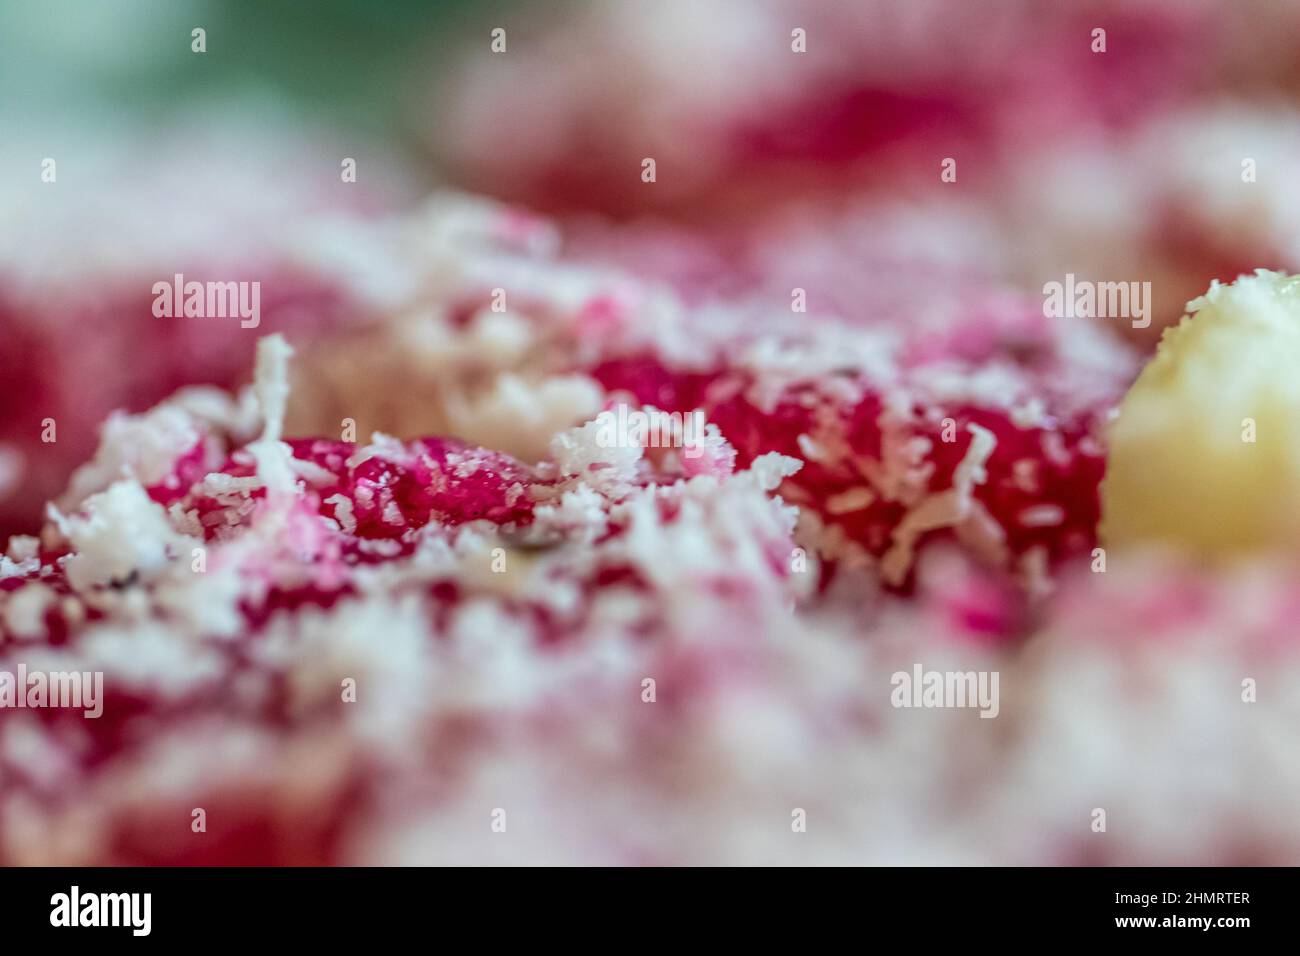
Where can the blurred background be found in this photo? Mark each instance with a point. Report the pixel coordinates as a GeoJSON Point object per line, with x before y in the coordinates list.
{"type": "Point", "coordinates": [344, 64]}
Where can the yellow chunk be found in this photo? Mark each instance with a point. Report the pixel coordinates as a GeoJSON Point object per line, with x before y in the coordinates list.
{"type": "Point", "coordinates": [1205, 452]}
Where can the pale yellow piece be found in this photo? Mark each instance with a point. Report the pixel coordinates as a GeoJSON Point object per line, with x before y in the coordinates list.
{"type": "Point", "coordinates": [1180, 469]}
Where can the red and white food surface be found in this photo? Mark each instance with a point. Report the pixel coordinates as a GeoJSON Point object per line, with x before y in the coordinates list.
{"type": "Point", "coordinates": [641, 651]}
{"type": "Point", "coordinates": [635, 530]}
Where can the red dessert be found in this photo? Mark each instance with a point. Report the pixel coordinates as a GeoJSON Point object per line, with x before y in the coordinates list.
{"type": "Point", "coordinates": [917, 417]}
{"type": "Point", "coordinates": [308, 598]}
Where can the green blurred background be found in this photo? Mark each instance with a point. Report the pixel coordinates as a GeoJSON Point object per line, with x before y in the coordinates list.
{"type": "Point", "coordinates": [349, 66]}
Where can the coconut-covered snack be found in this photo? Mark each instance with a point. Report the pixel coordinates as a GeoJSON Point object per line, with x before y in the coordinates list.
{"type": "Point", "coordinates": [504, 328]}
{"type": "Point", "coordinates": [708, 432]}
{"type": "Point", "coordinates": [972, 416]}
{"type": "Point", "coordinates": [234, 647]}
{"type": "Point", "coordinates": [276, 625]}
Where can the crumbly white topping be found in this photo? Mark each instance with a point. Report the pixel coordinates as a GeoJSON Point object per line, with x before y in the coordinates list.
{"type": "Point", "coordinates": [116, 533]}
{"type": "Point", "coordinates": [941, 509]}
{"type": "Point", "coordinates": [636, 564]}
